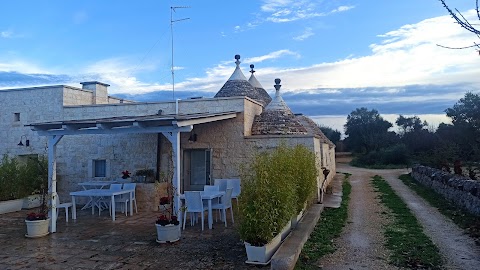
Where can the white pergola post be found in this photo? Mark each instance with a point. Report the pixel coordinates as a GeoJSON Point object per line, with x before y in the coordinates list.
{"type": "Point", "coordinates": [52, 179]}
{"type": "Point", "coordinates": [174, 138]}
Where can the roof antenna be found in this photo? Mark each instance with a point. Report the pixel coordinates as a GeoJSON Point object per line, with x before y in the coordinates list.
{"type": "Point", "coordinates": [172, 9]}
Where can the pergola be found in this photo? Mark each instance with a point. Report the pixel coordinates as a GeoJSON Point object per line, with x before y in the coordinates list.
{"type": "Point", "coordinates": [169, 125]}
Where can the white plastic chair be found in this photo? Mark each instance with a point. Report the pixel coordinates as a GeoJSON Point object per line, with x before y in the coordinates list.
{"type": "Point", "coordinates": [221, 183]}
{"type": "Point", "coordinates": [225, 204]}
{"type": "Point", "coordinates": [118, 199]}
{"type": "Point", "coordinates": [193, 205]}
{"type": "Point", "coordinates": [211, 188]}
{"type": "Point", "coordinates": [235, 185]}
{"type": "Point", "coordinates": [64, 205]}
{"type": "Point", "coordinates": [131, 186]}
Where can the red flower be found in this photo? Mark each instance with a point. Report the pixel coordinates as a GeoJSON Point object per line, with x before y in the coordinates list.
{"type": "Point", "coordinates": [35, 216]}
{"type": "Point", "coordinates": [125, 174]}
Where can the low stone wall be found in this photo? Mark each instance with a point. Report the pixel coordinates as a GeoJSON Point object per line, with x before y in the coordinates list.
{"type": "Point", "coordinates": [462, 191]}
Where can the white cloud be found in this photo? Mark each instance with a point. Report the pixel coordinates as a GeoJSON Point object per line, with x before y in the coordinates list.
{"type": "Point", "coordinates": [308, 32]}
{"type": "Point", "coordinates": [272, 55]}
{"type": "Point", "coordinates": [342, 9]}
{"type": "Point", "coordinates": [6, 34]}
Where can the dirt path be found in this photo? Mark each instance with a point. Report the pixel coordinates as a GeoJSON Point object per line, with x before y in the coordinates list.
{"type": "Point", "coordinates": [361, 244]}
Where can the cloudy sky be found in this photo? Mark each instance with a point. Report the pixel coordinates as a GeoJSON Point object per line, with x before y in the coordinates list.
{"type": "Point", "coordinates": [332, 56]}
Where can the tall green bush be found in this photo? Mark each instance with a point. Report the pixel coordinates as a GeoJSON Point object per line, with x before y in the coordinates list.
{"type": "Point", "coordinates": [270, 191]}
{"type": "Point", "coordinates": [20, 179]}
{"type": "Point", "coordinates": [305, 170]}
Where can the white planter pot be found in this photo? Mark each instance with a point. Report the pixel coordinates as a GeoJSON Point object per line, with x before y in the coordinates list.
{"type": "Point", "coordinates": [286, 230]}
{"type": "Point", "coordinates": [11, 206]}
{"type": "Point", "coordinates": [262, 255]}
{"type": "Point", "coordinates": [297, 219]}
{"type": "Point", "coordinates": [164, 207]}
{"type": "Point", "coordinates": [168, 234]}
{"type": "Point", "coordinates": [32, 201]}
{"type": "Point", "coordinates": [37, 228]}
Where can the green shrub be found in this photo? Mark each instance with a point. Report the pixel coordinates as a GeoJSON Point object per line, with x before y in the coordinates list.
{"type": "Point", "coordinates": [304, 168]}
{"type": "Point", "coordinates": [395, 155]}
{"type": "Point", "coordinates": [20, 179]}
{"type": "Point", "coordinates": [270, 187]}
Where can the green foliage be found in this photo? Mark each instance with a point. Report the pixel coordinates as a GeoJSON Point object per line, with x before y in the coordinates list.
{"type": "Point", "coordinates": [396, 155]}
{"type": "Point", "coordinates": [410, 124]}
{"type": "Point", "coordinates": [469, 222]}
{"type": "Point", "coordinates": [367, 131]}
{"type": "Point", "coordinates": [20, 179]}
{"type": "Point", "coordinates": [330, 226]}
{"type": "Point", "coordinates": [409, 246]}
{"type": "Point", "coordinates": [270, 186]}
{"type": "Point", "coordinates": [303, 167]}
{"type": "Point", "coordinates": [332, 134]}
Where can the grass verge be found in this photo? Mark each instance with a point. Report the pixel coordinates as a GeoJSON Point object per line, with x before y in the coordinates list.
{"type": "Point", "coordinates": [469, 222]}
{"type": "Point", "coordinates": [330, 226]}
{"type": "Point", "coordinates": [408, 245]}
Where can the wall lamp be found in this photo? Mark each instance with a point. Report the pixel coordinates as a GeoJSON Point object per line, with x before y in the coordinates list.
{"type": "Point", "coordinates": [193, 137]}
{"type": "Point", "coordinates": [27, 141]}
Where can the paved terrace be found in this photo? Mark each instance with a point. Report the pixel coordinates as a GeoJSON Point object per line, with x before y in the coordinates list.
{"type": "Point", "coordinates": [97, 242]}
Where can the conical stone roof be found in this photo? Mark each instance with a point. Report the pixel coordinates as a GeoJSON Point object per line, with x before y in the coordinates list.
{"type": "Point", "coordinates": [277, 118]}
{"type": "Point", "coordinates": [237, 85]}
{"type": "Point", "coordinates": [314, 129]}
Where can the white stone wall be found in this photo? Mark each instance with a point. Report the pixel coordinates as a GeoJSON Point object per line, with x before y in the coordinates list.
{"type": "Point", "coordinates": [76, 96]}
{"type": "Point", "coordinates": [39, 104]}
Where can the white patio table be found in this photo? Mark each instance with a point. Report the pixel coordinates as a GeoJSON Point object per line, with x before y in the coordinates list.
{"type": "Point", "coordinates": [96, 185]}
{"type": "Point", "coordinates": [207, 196]}
{"type": "Point", "coordinates": [101, 193]}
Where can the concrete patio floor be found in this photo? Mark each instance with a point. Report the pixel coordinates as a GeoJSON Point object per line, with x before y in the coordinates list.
{"type": "Point", "coordinates": [97, 242]}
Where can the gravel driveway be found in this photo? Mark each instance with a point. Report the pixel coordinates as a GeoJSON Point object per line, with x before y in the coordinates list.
{"type": "Point", "coordinates": [361, 245]}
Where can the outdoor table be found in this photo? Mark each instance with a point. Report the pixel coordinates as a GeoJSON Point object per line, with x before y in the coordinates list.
{"type": "Point", "coordinates": [95, 185]}
{"type": "Point", "coordinates": [101, 193]}
{"type": "Point", "coordinates": [208, 196]}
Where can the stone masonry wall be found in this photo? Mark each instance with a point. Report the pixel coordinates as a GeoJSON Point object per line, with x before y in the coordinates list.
{"type": "Point", "coordinates": [459, 190]}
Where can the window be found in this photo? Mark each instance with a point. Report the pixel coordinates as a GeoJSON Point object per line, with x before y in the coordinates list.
{"type": "Point", "coordinates": [16, 117]}
{"type": "Point", "coordinates": [99, 168]}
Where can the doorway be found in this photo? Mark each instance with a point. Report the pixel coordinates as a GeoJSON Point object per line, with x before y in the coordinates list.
{"type": "Point", "coordinates": [196, 169]}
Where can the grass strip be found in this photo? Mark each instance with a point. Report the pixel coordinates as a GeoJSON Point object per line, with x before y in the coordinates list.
{"type": "Point", "coordinates": [405, 239]}
{"type": "Point", "coordinates": [329, 226]}
{"type": "Point", "coordinates": [465, 220]}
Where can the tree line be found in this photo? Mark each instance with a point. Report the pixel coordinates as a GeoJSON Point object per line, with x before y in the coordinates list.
{"type": "Point", "coordinates": [454, 145]}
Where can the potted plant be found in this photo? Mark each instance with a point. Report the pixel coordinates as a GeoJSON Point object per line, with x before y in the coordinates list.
{"type": "Point", "coordinates": [167, 224]}
{"type": "Point", "coordinates": [11, 191]}
{"type": "Point", "coordinates": [267, 203]}
{"type": "Point", "coordinates": [38, 222]}
{"type": "Point", "coordinates": [147, 175]}
{"type": "Point", "coordinates": [125, 174]}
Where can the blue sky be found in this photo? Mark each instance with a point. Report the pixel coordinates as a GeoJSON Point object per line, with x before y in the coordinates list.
{"type": "Point", "coordinates": [332, 56]}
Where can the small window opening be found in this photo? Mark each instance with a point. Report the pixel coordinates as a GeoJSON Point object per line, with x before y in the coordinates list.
{"type": "Point", "coordinates": [16, 117]}
{"type": "Point", "coordinates": [99, 168]}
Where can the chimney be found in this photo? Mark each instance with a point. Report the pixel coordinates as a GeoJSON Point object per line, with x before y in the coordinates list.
{"type": "Point", "coordinates": [100, 92]}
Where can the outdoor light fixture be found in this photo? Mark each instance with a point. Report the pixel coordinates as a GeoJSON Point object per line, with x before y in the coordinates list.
{"type": "Point", "coordinates": [27, 141]}
{"type": "Point", "coordinates": [193, 137]}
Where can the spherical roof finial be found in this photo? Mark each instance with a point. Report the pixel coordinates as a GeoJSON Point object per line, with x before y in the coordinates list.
{"type": "Point", "coordinates": [237, 56]}
{"type": "Point", "coordinates": [277, 84]}
{"type": "Point", "coordinates": [252, 66]}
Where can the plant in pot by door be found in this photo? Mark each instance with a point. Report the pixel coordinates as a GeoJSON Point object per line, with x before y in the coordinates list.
{"type": "Point", "coordinates": [167, 224]}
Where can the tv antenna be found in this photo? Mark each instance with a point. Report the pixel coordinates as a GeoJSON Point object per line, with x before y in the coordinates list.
{"type": "Point", "coordinates": [172, 10]}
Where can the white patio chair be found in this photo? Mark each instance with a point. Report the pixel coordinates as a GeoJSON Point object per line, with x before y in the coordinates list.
{"type": "Point", "coordinates": [211, 188]}
{"type": "Point", "coordinates": [194, 205]}
{"type": "Point", "coordinates": [221, 183]}
{"type": "Point", "coordinates": [132, 186]}
{"type": "Point", "coordinates": [224, 205]}
{"type": "Point", "coordinates": [64, 205]}
{"type": "Point", "coordinates": [235, 185]}
{"type": "Point", "coordinates": [118, 199]}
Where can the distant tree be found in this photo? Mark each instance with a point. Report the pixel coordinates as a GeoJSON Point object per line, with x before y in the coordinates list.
{"type": "Point", "coordinates": [463, 22]}
{"type": "Point", "coordinates": [466, 112]}
{"type": "Point", "coordinates": [332, 134]}
{"type": "Point", "coordinates": [410, 124]}
{"type": "Point", "coordinates": [367, 131]}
